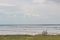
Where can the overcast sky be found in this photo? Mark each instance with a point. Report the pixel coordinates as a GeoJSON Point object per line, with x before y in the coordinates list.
{"type": "Point", "coordinates": [29, 11]}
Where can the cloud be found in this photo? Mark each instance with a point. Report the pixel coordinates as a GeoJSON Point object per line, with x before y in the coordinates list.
{"type": "Point", "coordinates": [7, 9]}
{"type": "Point", "coordinates": [29, 11]}
{"type": "Point", "coordinates": [41, 10]}
{"type": "Point", "coordinates": [56, 1]}
{"type": "Point", "coordinates": [38, 1]}
{"type": "Point", "coordinates": [40, 7]}
{"type": "Point", "coordinates": [32, 8]}
{"type": "Point", "coordinates": [35, 15]}
{"type": "Point", "coordinates": [6, 4]}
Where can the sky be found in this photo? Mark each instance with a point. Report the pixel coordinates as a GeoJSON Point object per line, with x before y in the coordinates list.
{"type": "Point", "coordinates": [29, 11]}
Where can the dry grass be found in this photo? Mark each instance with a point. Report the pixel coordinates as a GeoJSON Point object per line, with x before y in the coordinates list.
{"type": "Point", "coordinates": [29, 37]}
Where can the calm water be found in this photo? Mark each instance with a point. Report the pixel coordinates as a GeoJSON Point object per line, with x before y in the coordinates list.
{"type": "Point", "coordinates": [29, 29]}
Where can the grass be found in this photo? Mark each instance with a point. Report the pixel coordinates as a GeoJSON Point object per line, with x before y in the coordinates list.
{"type": "Point", "coordinates": [29, 37]}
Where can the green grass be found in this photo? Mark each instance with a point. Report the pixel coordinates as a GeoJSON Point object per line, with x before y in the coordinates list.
{"type": "Point", "coordinates": [29, 37]}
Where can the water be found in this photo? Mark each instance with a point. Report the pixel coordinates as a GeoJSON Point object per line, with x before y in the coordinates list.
{"type": "Point", "coordinates": [29, 29]}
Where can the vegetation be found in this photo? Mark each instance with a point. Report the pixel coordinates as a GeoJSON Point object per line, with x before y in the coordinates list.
{"type": "Point", "coordinates": [44, 33]}
{"type": "Point", "coordinates": [29, 37]}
